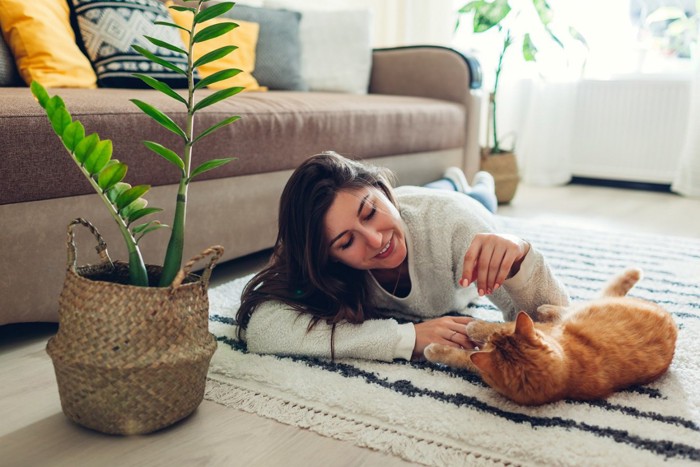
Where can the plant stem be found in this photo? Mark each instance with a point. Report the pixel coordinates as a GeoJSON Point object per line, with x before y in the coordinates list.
{"type": "Point", "coordinates": [137, 269]}
{"type": "Point", "coordinates": [506, 43]}
{"type": "Point", "coordinates": [173, 256]}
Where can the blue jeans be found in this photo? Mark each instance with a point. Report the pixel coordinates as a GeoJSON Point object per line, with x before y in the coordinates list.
{"type": "Point", "coordinates": [480, 192]}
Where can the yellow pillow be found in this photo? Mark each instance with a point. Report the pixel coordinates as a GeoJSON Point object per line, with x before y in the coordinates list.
{"type": "Point", "coordinates": [245, 37]}
{"type": "Point", "coordinates": [40, 36]}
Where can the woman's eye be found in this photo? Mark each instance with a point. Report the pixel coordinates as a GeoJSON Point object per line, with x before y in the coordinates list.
{"type": "Point", "coordinates": [347, 244]}
{"type": "Point", "coordinates": [371, 213]}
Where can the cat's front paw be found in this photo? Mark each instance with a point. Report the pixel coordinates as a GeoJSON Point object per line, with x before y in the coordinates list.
{"type": "Point", "coordinates": [549, 313]}
{"type": "Point", "coordinates": [479, 332]}
{"type": "Point", "coordinates": [436, 353]}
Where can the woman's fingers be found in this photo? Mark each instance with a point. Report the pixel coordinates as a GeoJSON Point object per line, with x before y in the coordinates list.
{"type": "Point", "coordinates": [489, 260]}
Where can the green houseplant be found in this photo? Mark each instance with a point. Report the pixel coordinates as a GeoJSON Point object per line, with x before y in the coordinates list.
{"type": "Point", "coordinates": [512, 28]}
{"type": "Point", "coordinates": [94, 156]}
{"type": "Point", "coordinates": [132, 357]}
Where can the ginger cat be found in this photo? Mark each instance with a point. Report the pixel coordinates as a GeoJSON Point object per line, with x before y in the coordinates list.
{"type": "Point", "coordinates": [586, 351]}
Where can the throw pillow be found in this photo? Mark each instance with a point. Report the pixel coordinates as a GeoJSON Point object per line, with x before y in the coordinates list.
{"type": "Point", "coordinates": [245, 37]}
{"type": "Point", "coordinates": [8, 70]}
{"type": "Point", "coordinates": [336, 47]}
{"type": "Point", "coordinates": [43, 44]}
{"type": "Point", "coordinates": [108, 29]}
{"type": "Point", "coordinates": [278, 52]}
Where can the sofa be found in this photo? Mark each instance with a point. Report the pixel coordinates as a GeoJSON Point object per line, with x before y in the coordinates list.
{"type": "Point", "coordinates": [419, 116]}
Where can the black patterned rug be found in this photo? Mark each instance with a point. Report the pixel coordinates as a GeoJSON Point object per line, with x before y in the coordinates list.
{"type": "Point", "coordinates": [438, 416]}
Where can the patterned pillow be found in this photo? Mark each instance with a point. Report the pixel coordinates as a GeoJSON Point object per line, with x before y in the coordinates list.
{"type": "Point", "coordinates": [8, 70]}
{"type": "Point", "coordinates": [106, 31]}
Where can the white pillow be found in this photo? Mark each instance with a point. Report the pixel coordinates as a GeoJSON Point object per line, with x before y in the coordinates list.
{"type": "Point", "coordinates": [336, 51]}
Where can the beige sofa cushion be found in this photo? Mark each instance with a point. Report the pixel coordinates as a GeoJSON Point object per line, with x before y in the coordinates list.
{"type": "Point", "coordinates": [295, 124]}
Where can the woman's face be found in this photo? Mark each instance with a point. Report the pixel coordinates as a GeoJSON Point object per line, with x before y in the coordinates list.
{"type": "Point", "coordinates": [364, 230]}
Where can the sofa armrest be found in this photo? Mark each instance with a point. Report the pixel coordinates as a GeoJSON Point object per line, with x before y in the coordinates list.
{"type": "Point", "coordinates": [424, 71]}
{"type": "Point", "coordinates": [438, 73]}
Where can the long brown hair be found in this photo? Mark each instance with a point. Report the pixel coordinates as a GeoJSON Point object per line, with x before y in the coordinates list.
{"type": "Point", "coordinates": [300, 272]}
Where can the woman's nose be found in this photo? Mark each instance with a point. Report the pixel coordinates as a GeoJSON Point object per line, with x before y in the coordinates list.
{"type": "Point", "coordinates": [374, 238]}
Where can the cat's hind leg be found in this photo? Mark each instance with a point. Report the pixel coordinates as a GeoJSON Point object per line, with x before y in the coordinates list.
{"type": "Point", "coordinates": [450, 356]}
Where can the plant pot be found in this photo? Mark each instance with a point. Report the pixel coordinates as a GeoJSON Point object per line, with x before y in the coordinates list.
{"type": "Point", "coordinates": [131, 360]}
{"type": "Point", "coordinates": [504, 168]}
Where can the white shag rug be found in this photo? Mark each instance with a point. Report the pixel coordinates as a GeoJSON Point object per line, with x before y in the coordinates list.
{"type": "Point", "coordinates": [438, 416]}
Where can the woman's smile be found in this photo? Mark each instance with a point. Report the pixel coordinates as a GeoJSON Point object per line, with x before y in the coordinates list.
{"type": "Point", "coordinates": [387, 250]}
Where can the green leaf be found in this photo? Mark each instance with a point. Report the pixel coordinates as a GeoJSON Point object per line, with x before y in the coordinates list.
{"type": "Point", "coordinates": [578, 36]}
{"type": "Point", "coordinates": [488, 15]}
{"type": "Point", "coordinates": [166, 153]}
{"type": "Point", "coordinates": [529, 49]}
{"type": "Point", "coordinates": [111, 175]}
{"type": "Point", "coordinates": [216, 77]}
{"type": "Point", "coordinates": [209, 165]}
{"type": "Point", "coordinates": [216, 97]}
{"type": "Point", "coordinates": [165, 45]}
{"type": "Point", "coordinates": [72, 135]}
{"type": "Point", "coordinates": [53, 105]}
{"type": "Point", "coordinates": [160, 86]}
{"type": "Point", "coordinates": [215, 30]}
{"type": "Point", "coordinates": [554, 37]}
{"type": "Point", "coordinates": [472, 6]}
{"type": "Point", "coordinates": [160, 117]}
{"type": "Point", "coordinates": [183, 8]}
{"type": "Point", "coordinates": [110, 163]}
{"type": "Point", "coordinates": [544, 11]}
{"type": "Point", "coordinates": [40, 93]}
{"type": "Point", "coordinates": [212, 12]}
{"type": "Point", "coordinates": [142, 213]}
{"type": "Point", "coordinates": [172, 25]}
{"type": "Point", "coordinates": [214, 55]}
{"type": "Point", "coordinates": [98, 158]}
{"type": "Point", "coordinates": [131, 195]}
{"type": "Point", "coordinates": [60, 119]}
{"type": "Point", "coordinates": [144, 228]}
{"type": "Point", "coordinates": [114, 192]}
{"type": "Point", "coordinates": [135, 205]}
{"type": "Point", "coordinates": [213, 128]}
{"type": "Point", "coordinates": [160, 61]}
{"type": "Point", "coordinates": [85, 147]}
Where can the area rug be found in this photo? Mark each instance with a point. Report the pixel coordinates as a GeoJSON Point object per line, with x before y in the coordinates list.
{"type": "Point", "coordinates": [437, 416]}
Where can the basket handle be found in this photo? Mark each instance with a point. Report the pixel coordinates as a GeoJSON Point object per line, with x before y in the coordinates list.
{"type": "Point", "coordinates": [101, 246]}
{"type": "Point", "coordinates": [215, 251]}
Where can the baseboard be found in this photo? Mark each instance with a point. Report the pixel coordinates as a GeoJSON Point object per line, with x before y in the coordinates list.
{"type": "Point", "coordinates": [644, 186]}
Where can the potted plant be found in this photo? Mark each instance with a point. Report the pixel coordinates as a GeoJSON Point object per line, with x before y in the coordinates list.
{"type": "Point", "coordinates": [133, 348]}
{"type": "Point", "coordinates": [512, 27]}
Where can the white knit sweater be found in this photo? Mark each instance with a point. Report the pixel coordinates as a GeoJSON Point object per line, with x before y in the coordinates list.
{"type": "Point", "coordinates": [439, 226]}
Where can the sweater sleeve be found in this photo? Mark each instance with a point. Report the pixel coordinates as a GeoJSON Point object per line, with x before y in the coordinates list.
{"type": "Point", "coordinates": [275, 328]}
{"type": "Point", "coordinates": [532, 286]}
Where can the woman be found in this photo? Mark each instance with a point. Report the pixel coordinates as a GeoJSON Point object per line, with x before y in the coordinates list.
{"type": "Point", "coordinates": [352, 255]}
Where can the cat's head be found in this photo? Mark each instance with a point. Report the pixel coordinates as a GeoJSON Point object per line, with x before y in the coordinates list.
{"type": "Point", "coordinates": [521, 364]}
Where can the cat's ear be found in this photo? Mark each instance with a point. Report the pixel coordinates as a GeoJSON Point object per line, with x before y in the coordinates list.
{"type": "Point", "coordinates": [524, 326]}
{"type": "Point", "coordinates": [481, 360]}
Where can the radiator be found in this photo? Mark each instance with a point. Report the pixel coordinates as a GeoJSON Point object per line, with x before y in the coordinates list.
{"type": "Point", "coordinates": [630, 130]}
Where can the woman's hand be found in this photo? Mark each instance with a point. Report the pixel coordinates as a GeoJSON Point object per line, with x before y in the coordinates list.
{"type": "Point", "coordinates": [491, 259]}
{"type": "Point", "coordinates": [447, 330]}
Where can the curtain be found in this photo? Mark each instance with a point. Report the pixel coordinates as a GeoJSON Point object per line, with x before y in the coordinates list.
{"type": "Point", "coordinates": [546, 142]}
{"type": "Point", "coordinates": [687, 179]}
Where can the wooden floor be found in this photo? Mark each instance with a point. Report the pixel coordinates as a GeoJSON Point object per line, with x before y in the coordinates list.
{"type": "Point", "coordinates": [34, 432]}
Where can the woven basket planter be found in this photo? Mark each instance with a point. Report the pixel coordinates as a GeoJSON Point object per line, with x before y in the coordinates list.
{"type": "Point", "coordinates": [131, 360]}
{"type": "Point", "coordinates": [504, 168]}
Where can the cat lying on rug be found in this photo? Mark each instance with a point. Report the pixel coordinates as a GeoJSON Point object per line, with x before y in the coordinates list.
{"type": "Point", "coordinates": [586, 351]}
